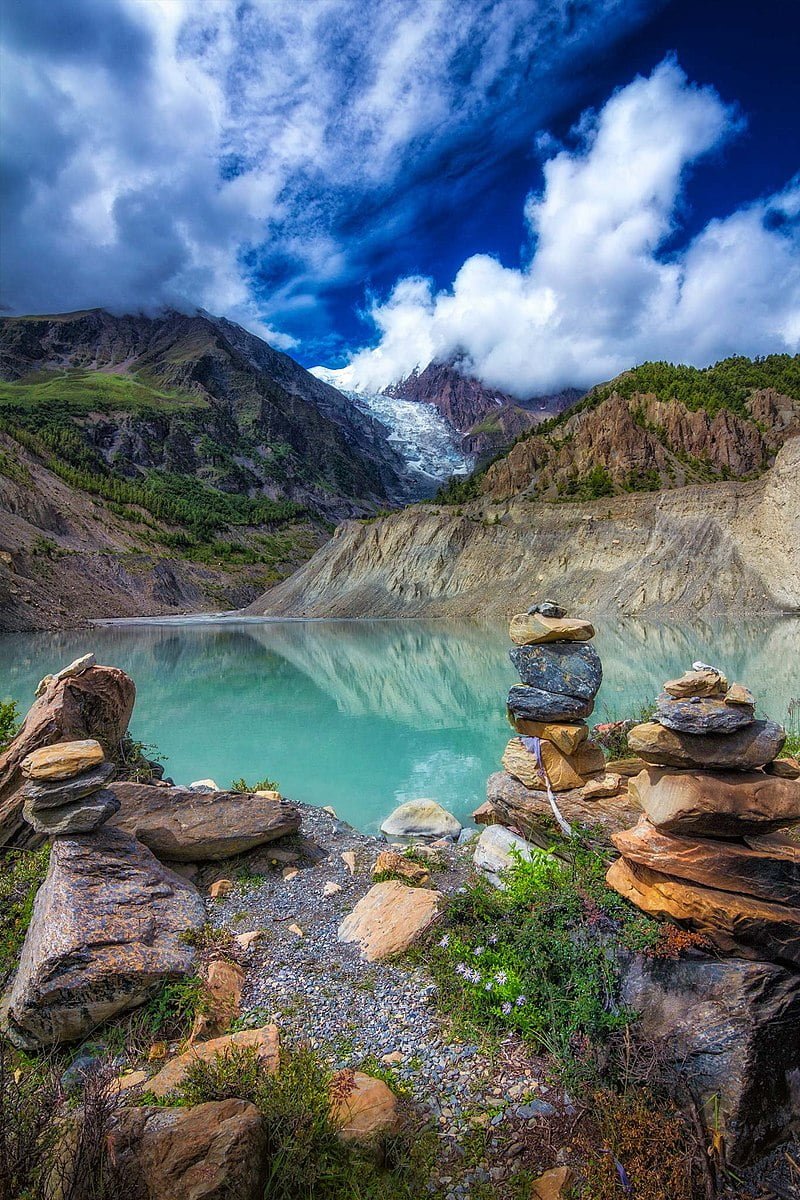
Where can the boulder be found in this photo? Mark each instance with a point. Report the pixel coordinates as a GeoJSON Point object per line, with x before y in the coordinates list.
{"type": "Point", "coordinates": [732, 1028]}
{"type": "Point", "coordinates": [497, 849]}
{"type": "Point", "coordinates": [107, 929]}
{"type": "Point", "coordinates": [529, 812]}
{"type": "Point", "coordinates": [212, 1151]}
{"type": "Point", "coordinates": [264, 1042]}
{"type": "Point", "coordinates": [389, 862]}
{"type": "Point", "coordinates": [421, 819]}
{"type": "Point", "coordinates": [767, 868]}
{"type": "Point", "coordinates": [735, 924]}
{"type": "Point", "coordinates": [565, 668]}
{"type": "Point", "coordinates": [389, 918]}
{"type": "Point", "coordinates": [64, 760]}
{"type": "Point", "coordinates": [81, 816]}
{"type": "Point", "coordinates": [628, 766]}
{"type": "Point", "coordinates": [95, 704]}
{"type": "Point", "coordinates": [720, 803]}
{"type": "Point", "coordinates": [737, 693]}
{"type": "Point", "coordinates": [192, 826]}
{"type": "Point", "coordinates": [757, 744]}
{"type": "Point", "coordinates": [54, 793]}
{"type": "Point", "coordinates": [528, 629]}
{"type": "Point", "coordinates": [565, 737]}
{"type": "Point", "coordinates": [548, 608]}
{"type": "Point", "coordinates": [703, 682]}
{"type": "Point", "coordinates": [534, 704]}
{"type": "Point", "coordinates": [362, 1107]}
{"type": "Point", "coordinates": [699, 715]}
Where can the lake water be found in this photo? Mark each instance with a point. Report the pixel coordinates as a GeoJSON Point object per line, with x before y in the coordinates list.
{"type": "Point", "coordinates": [365, 714]}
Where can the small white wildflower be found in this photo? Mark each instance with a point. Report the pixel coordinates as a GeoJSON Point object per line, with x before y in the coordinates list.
{"type": "Point", "coordinates": [505, 1008]}
{"type": "Point", "coordinates": [478, 951]}
{"type": "Point", "coordinates": [488, 985]}
{"type": "Point", "coordinates": [521, 1000]}
{"type": "Point", "coordinates": [501, 977]}
{"type": "Point", "coordinates": [493, 940]}
{"type": "Point", "coordinates": [445, 941]}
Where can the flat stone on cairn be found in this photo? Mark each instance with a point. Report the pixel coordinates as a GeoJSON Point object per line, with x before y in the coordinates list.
{"type": "Point", "coordinates": [705, 854]}
{"type": "Point", "coordinates": [65, 791]}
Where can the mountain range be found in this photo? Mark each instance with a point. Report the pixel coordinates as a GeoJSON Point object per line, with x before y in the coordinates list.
{"type": "Point", "coordinates": [179, 463]}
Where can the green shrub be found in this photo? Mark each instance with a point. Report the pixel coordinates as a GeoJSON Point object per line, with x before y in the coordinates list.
{"type": "Point", "coordinates": [261, 785]}
{"type": "Point", "coordinates": [170, 1014]}
{"type": "Point", "coordinates": [9, 722]}
{"type": "Point", "coordinates": [304, 1155]}
{"type": "Point", "coordinates": [539, 957]}
{"type": "Point", "coordinates": [21, 874]}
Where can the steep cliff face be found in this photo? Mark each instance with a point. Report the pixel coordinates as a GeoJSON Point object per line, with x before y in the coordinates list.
{"type": "Point", "coordinates": [645, 444]}
{"type": "Point", "coordinates": [725, 547]}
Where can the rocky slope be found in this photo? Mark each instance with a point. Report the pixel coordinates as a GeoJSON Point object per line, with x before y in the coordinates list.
{"type": "Point", "coordinates": [197, 395]}
{"type": "Point", "coordinates": [723, 547]}
{"type": "Point", "coordinates": [648, 430]}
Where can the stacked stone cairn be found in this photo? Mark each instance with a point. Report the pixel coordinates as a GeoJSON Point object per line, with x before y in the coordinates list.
{"type": "Point", "coordinates": [66, 789]}
{"type": "Point", "coordinates": [707, 853]}
{"type": "Point", "coordinates": [561, 674]}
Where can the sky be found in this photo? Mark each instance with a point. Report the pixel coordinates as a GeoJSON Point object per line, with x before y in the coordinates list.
{"type": "Point", "coordinates": [550, 190]}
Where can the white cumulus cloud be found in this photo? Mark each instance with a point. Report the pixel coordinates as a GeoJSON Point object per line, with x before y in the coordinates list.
{"type": "Point", "coordinates": [598, 291]}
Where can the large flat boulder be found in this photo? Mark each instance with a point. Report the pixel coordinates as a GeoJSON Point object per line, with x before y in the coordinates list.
{"type": "Point", "coordinates": [183, 825]}
{"type": "Point", "coordinates": [96, 704]}
{"type": "Point", "coordinates": [720, 804]}
{"type": "Point", "coordinates": [702, 715]}
{"type": "Point", "coordinates": [213, 1151]}
{"type": "Point", "coordinates": [733, 1029]}
{"type": "Point", "coordinates": [528, 811]}
{"type": "Point", "coordinates": [767, 868]}
{"type": "Point", "coordinates": [389, 919]}
{"type": "Point", "coordinates": [735, 924]}
{"type": "Point", "coordinates": [107, 930]}
{"type": "Point", "coordinates": [757, 744]}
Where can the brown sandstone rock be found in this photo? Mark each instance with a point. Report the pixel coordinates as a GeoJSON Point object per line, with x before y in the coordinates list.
{"type": "Point", "coordinates": [753, 746]}
{"type": "Point", "coordinates": [555, 1184]}
{"type": "Point", "coordinates": [523, 765]}
{"type": "Point", "coordinates": [95, 704]}
{"type": "Point", "coordinates": [767, 868]}
{"type": "Point", "coordinates": [530, 629]}
{"type": "Point", "coordinates": [106, 931]}
{"type": "Point", "coordinates": [737, 693]}
{"type": "Point", "coordinates": [565, 737]}
{"type": "Point", "coordinates": [697, 683]}
{"type": "Point", "coordinates": [389, 918]}
{"type": "Point", "coordinates": [390, 863]}
{"type": "Point", "coordinates": [182, 825]}
{"type": "Point", "coordinates": [363, 1106]}
{"type": "Point", "coordinates": [629, 766]}
{"type": "Point", "coordinates": [740, 925]}
{"type": "Point", "coordinates": [601, 787]}
{"type": "Point", "coordinates": [718, 803]}
{"type": "Point", "coordinates": [212, 1151]}
{"type": "Point", "coordinates": [64, 760]}
{"type": "Point", "coordinates": [264, 1041]}
{"type": "Point", "coordinates": [221, 888]}
{"type": "Point", "coordinates": [222, 996]}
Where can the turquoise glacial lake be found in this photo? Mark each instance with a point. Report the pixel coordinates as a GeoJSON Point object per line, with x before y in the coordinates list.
{"type": "Point", "coordinates": [363, 715]}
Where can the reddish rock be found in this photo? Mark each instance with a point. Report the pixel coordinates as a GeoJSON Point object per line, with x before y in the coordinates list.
{"type": "Point", "coordinates": [182, 825]}
{"type": "Point", "coordinates": [264, 1042]}
{"type": "Point", "coordinates": [363, 1107]}
{"type": "Point", "coordinates": [739, 925]}
{"type": "Point", "coordinates": [529, 812]}
{"type": "Point", "coordinates": [97, 704]}
{"type": "Point", "coordinates": [767, 868]}
{"type": "Point", "coordinates": [743, 750]}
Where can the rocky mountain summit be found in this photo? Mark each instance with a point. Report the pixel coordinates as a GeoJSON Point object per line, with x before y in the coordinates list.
{"type": "Point", "coordinates": [486, 419]}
